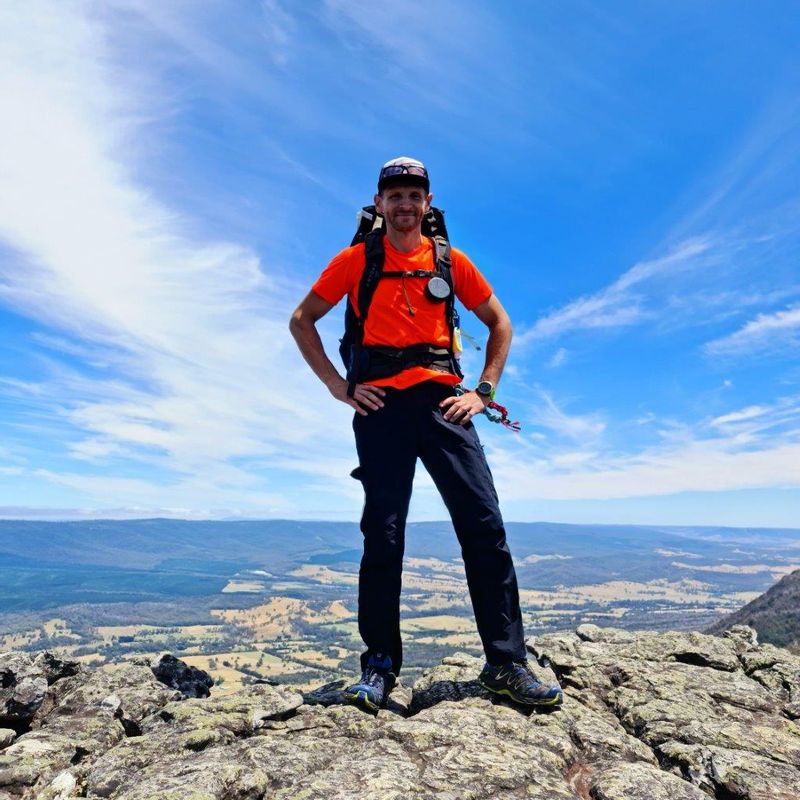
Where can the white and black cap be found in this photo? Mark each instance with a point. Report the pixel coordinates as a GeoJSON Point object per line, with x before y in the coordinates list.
{"type": "Point", "coordinates": [403, 171]}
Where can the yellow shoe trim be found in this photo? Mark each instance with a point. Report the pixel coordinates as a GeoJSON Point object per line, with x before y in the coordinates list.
{"type": "Point", "coordinates": [553, 701]}
{"type": "Point", "coordinates": [360, 699]}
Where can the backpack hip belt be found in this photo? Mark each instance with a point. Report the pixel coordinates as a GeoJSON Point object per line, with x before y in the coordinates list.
{"type": "Point", "coordinates": [383, 362]}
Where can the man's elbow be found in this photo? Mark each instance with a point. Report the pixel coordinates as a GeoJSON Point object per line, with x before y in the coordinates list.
{"type": "Point", "coordinates": [501, 325]}
{"type": "Point", "coordinates": [297, 322]}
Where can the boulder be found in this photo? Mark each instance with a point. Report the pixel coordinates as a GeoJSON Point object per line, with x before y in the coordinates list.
{"type": "Point", "coordinates": [177, 674]}
{"type": "Point", "coordinates": [22, 690]}
{"type": "Point", "coordinates": [29, 686]}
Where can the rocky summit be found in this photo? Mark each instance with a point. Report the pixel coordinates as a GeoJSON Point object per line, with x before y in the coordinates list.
{"type": "Point", "coordinates": [668, 716]}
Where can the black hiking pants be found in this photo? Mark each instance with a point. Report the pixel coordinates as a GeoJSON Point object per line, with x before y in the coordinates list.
{"type": "Point", "coordinates": [388, 441]}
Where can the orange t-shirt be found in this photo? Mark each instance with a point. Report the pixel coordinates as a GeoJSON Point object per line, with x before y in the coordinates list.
{"type": "Point", "coordinates": [389, 321]}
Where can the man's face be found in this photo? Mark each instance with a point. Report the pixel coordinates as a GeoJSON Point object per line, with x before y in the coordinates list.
{"type": "Point", "coordinates": [403, 207]}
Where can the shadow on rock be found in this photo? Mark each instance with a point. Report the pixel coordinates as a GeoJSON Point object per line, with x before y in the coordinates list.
{"type": "Point", "coordinates": [332, 694]}
{"type": "Point", "coordinates": [456, 691]}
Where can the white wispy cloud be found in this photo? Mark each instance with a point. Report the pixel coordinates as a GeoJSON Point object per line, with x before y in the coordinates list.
{"type": "Point", "coordinates": [411, 44]}
{"type": "Point", "coordinates": [201, 378]}
{"type": "Point", "coordinates": [767, 331]}
{"type": "Point", "coordinates": [749, 413]}
{"type": "Point", "coordinates": [279, 30]}
{"type": "Point", "coordinates": [755, 180]}
{"type": "Point", "coordinates": [559, 358]}
{"type": "Point", "coordinates": [780, 419]}
{"type": "Point", "coordinates": [548, 414]}
{"type": "Point", "coordinates": [110, 512]}
{"type": "Point", "coordinates": [620, 304]}
{"type": "Point", "coordinates": [749, 448]}
{"type": "Point", "coordinates": [731, 251]}
{"type": "Point", "coordinates": [447, 60]}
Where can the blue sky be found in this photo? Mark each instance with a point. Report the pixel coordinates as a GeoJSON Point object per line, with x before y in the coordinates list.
{"type": "Point", "coordinates": [173, 177]}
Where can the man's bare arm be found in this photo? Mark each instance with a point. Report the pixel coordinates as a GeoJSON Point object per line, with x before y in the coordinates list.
{"type": "Point", "coordinates": [303, 326]}
{"type": "Point", "coordinates": [492, 314]}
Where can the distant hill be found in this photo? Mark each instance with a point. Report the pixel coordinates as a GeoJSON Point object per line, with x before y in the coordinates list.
{"type": "Point", "coordinates": [45, 565]}
{"type": "Point", "coordinates": [774, 614]}
{"type": "Point", "coordinates": [148, 543]}
{"type": "Point", "coordinates": [622, 551]}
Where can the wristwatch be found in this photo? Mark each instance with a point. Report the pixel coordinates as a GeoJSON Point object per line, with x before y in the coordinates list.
{"type": "Point", "coordinates": [486, 389]}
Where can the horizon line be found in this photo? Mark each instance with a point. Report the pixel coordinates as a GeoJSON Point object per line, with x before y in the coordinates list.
{"type": "Point", "coordinates": [507, 522]}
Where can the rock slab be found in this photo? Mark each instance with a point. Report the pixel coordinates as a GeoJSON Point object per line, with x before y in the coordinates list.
{"type": "Point", "coordinates": [669, 716]}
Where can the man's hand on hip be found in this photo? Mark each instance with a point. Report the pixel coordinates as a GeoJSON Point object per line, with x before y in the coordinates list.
{"type": "Point", "coordinates": [365, 398]}
{"type": "Point", "coordinates": [463, 408]}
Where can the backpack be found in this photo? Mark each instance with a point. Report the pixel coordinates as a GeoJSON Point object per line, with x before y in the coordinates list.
{"type": "Point", "coordinates": [371, 362]}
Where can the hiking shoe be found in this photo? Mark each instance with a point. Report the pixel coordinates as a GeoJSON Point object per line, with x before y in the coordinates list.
{"type": "Point", "coordinates": [515, 680]}
{"type": "Point", "coordinates": [377, 680]}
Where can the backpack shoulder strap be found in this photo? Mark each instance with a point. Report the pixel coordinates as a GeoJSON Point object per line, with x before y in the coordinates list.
{"type": "Point", "coordinates": [374, 257]}
{"type": "Point", "coordinates": [433, 226]}
{"type": "Point", "coordinates": [444, 263]}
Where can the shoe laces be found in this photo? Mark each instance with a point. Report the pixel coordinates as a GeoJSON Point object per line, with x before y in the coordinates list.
{"type": "Point", "coordinates": [522, 677]}
{"type": "Point", "coordinates": [371, 676]}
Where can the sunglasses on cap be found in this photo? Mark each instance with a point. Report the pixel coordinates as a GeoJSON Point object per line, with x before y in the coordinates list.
{"type": "Point", "coordinates": [403, 169]}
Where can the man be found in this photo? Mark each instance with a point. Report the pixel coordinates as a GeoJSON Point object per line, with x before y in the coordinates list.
{"type": "Point", "coordinates": [417, 413]}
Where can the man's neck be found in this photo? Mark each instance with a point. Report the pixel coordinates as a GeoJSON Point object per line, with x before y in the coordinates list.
{"type": "Point", "coordinates": [404, 241]}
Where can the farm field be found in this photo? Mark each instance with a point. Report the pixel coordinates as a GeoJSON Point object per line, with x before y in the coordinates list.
{"type": "Point", "coordinates": [287, 612]}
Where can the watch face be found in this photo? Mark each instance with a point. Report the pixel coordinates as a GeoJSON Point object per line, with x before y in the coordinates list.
{"type": "Point", "coordinates": [484, 387]}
